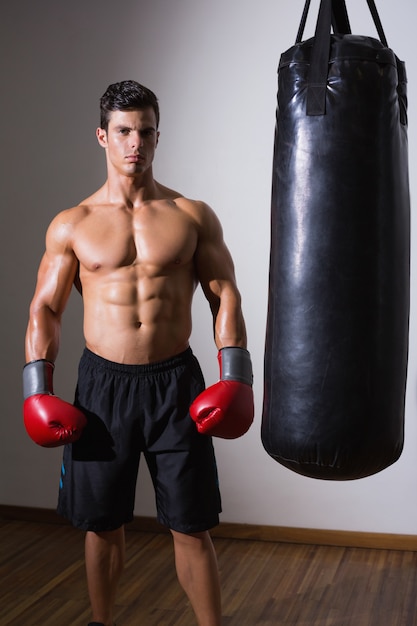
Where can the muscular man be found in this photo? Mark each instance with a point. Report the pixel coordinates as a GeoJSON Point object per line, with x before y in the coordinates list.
{"type": "Point", "coordinates": [136, 250]}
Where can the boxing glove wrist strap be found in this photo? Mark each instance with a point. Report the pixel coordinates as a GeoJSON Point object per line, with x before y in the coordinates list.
{"type": "Point", "coordinates": [37, 378]}
{"type": "Point", "coordinates": [235, 364]}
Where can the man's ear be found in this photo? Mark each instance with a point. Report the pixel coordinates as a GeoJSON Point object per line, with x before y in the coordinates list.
{"type": "Point", "coordinates": [101, 135]}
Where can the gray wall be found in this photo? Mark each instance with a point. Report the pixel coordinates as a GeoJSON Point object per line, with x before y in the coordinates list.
{"type": "Point", "coordinates": [213, 65]}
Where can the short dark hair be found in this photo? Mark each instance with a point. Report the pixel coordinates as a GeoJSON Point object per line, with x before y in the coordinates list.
{"type": "Point", "coordinates": [127, 95]}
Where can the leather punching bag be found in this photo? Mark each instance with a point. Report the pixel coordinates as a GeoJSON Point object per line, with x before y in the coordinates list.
{"type": "Point", "coordinates": [337, 328]}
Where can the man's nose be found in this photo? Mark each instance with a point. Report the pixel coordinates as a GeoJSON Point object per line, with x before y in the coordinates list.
{"type": "Point", "coordinates": [137, 140]}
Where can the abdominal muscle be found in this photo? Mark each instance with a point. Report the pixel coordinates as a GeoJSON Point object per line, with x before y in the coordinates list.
{"type": "Point", "coordinates": [134, 318]}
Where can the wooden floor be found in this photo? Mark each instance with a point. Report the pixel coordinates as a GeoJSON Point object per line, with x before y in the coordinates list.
{"type": "Point", "coordinates": [42, 582]}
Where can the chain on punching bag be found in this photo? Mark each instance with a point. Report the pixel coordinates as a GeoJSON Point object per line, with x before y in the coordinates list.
{"type": "Point", "coordinates": [337, 329]}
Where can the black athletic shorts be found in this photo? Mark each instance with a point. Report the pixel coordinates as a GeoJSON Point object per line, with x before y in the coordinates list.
{"type": "Point", "coordinates": [132, 409]}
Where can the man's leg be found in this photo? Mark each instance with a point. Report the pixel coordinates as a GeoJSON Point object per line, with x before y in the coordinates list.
{"type": "Point", "coordinates": [197, 572]}
{"type": "Point", "coordinates": [104, 558]}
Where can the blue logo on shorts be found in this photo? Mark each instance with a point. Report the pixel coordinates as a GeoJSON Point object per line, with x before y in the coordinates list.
{"type": "Point", "coordinates": [61, 482]}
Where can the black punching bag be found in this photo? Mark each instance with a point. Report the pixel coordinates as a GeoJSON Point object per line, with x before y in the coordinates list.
{"type": "Point", "coordinates": [337, 329]}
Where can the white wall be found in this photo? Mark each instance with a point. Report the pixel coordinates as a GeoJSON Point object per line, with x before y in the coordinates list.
{"type": "Point", "coordinates": [213, 65]}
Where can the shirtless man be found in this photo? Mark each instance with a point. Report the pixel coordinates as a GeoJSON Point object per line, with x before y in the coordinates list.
{"type": "Point", "coordinates": [136, 251]}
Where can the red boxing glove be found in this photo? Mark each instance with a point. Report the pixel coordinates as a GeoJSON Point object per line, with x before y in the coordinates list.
{"type": "Point", "coordinates": [226, 408]}
{"type": "Point", "coordinates": [49, 421]}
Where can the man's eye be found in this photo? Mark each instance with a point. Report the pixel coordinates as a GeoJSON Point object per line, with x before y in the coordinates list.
{"type": "Point", "coordinates": [124, 131]}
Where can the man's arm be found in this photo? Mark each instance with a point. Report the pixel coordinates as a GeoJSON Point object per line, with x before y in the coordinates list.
{"type": "Point", "coordinates": [50, 421]}
{"type": "Point", "coordinates": [56, 275]}
{"type": "Point", "coordinates": [226, 409]}
{"type": "Point", "coordinates": [215, 272]}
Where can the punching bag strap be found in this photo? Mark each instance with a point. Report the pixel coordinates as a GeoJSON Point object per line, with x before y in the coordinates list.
{"type": "Point", "coordinates": [303, 22]}
{"type": "Point", "coordinates": [330, 12]}
{"type": "Point", "coordinates": [340, 19]}
{"type": "Point", "coordinates": [377, 22]}
{"type": "Point", "coordinates": [319, 65]}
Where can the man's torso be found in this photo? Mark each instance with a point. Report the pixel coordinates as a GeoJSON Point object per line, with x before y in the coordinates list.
{"type": "Point", "coordinates": [136, 267]}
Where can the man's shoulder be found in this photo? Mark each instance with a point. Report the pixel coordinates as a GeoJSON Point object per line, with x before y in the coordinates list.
{"type": "Point", "coordinates": [199, 208]}
{"type": "Point", "coordinates": [64, 225]}
{"type": "Point", "coordinates": [74, 214]}
{"type": "Point", "coordinates": [181, 201]}
{"type": "Point", "coordinates": [196, 210]}
{"type": "Point", "coordinates": [70, 216]}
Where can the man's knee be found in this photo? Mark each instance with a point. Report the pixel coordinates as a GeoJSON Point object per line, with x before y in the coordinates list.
{"type": "Point", "coordinates": [190, 538]}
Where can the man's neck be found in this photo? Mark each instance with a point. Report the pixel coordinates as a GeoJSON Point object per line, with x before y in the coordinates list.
{"type": "Point", "coordinates": [132, 190]}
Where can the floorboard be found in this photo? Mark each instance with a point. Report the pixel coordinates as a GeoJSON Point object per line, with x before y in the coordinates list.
{"type": "Point", "coordinates": [263, 583]}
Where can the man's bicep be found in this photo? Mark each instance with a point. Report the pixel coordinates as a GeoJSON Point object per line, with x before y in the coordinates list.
{"type": "Point", "coordinates": [55, 278]}
{"type": "Point", "coordinates": [214, 263]}
{"type": "Point", "coordinates": [215, 272]}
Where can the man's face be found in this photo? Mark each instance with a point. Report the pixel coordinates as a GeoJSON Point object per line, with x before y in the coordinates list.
{"type": "Point", "coordinates": [130, 140]}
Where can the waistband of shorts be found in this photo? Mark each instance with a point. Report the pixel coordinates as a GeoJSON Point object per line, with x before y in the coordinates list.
{"type": "Point", "coordinates": [142, 369]}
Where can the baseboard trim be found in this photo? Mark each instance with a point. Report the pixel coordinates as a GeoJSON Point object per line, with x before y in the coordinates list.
{"type": "Point", "coordinates": [252, 532]}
